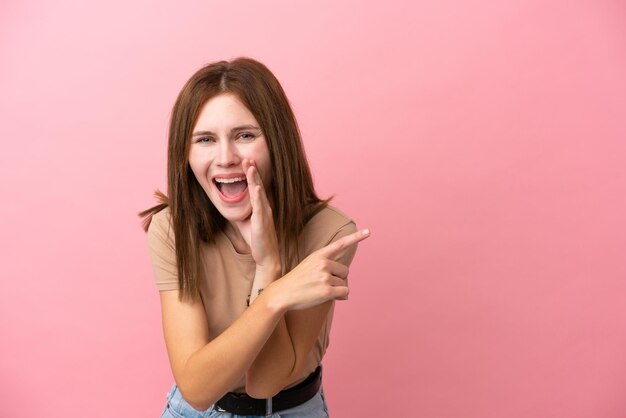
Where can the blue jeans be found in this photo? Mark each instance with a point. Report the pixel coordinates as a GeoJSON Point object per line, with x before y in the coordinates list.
{"type": "Point", "coordinates": [177, 407]}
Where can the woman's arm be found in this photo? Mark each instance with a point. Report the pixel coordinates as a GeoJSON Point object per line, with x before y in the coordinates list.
{"type": "Point", "coordinates": [282, 358]}
{"type": "Point", "coordinates": [204, 371]}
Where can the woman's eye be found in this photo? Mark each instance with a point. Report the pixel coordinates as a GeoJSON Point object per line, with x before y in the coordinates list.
{"type": "Point", "coordinates": [246, 136]}
{"type": "Point", "coordinates": [204, 139]}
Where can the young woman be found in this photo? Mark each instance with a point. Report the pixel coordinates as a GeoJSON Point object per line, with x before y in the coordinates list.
{"type": "Point", "coordinates": [247, 259]}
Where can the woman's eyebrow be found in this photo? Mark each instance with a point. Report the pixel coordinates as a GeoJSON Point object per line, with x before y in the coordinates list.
{"type": "Point", "coordinates": [235, 129]}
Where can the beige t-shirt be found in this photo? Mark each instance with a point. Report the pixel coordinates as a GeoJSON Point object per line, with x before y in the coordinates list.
{"type": "Point", "coordinates": [227, 276]}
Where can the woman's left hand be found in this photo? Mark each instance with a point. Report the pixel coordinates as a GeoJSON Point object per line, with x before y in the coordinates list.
{"type": "Point", "coordinates": [263, 241]}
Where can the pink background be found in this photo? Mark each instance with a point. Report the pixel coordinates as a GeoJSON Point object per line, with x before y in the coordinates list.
{"type": "Point", "coordinates": [484, 144]}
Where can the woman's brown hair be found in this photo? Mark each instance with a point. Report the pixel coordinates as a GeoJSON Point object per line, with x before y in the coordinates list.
{"type": "Point", "coordinates": [291, 194]}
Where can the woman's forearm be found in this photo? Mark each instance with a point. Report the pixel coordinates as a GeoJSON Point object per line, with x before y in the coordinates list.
{"type": "Point", "coordinates": [285, 353]}
{"type": "Point", "coordinates": [279, 362]}
{"type": "Point", "coordinates": [275, 363]}
{"type": "Point", "coordinates": [277, 358]}
{"type": "Point", "coordinates": [214, 369]}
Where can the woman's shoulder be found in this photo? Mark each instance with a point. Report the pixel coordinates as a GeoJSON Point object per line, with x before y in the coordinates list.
{"type": "Point", "coordinates": [162, 217]}
{"type": "Point", "coordinates": [161, 225]}
{"type": "Point", "coordinates": [325, 225]}
{"type": "Point", "coordinates": [330, 215]}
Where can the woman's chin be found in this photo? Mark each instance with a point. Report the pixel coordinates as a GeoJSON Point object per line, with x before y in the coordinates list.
{"type": "Point", "coordinates": [232, 215]}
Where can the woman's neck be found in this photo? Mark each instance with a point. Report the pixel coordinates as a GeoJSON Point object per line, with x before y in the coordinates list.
{"type": "Point", "coordinates": [234, 235]}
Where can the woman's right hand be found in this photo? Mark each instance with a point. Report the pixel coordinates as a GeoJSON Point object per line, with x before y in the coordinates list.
{"type": "Point", "coordinates": [318, 278]}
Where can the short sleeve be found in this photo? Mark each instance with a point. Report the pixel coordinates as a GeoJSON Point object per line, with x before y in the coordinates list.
{"type": "Point", "coordinates": [346, 256]}
{"type": "Point", "coordinates": [162, 251]}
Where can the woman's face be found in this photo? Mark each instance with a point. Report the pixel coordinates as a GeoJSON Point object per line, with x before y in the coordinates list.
{"type": "Point", "coordinates": [225, 134]}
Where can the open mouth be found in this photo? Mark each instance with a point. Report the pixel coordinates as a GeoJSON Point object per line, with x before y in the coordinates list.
{"type": "Point", "coordinates": [231, 188]}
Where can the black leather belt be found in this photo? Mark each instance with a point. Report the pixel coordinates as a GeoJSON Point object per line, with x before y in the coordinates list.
{"type": "Point", "coordinates": [242, 404]}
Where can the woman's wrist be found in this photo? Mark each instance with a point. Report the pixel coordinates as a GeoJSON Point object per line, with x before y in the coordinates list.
{"type": "Point", "coordinates": [263, 277]}
{"type": "Point", "coordinates": [273, 270]}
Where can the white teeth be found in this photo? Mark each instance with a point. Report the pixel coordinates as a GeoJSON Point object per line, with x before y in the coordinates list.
{"type": "Point", "coordinates": [233, 180]}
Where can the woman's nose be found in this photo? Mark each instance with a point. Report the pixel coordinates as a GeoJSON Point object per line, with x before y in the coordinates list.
{"type": "Point", "coordinates": [227, 155]}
